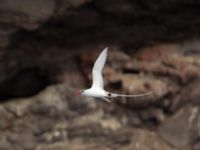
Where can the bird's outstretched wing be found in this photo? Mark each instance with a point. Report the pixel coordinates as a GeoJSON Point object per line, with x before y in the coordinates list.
{"type": "Point", "coordinates": [97, 70]}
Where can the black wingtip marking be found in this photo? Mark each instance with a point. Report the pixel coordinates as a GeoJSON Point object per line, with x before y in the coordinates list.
{"type": "Point", "coordinates": [109, 96]}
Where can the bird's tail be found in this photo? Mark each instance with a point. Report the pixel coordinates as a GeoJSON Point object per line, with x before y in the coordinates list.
{"type": "Point", "coordinates": [135, 95]}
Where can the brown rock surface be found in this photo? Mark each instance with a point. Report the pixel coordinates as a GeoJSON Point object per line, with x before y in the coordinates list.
{"type": "Point", "coordinates": [181, 129]}
{"type": "Point", "coordinates": [128, 23]}
{"type": "Point", "coordinates": [57, 119]}
{"type": "Point", "coordinates": [47, 52]}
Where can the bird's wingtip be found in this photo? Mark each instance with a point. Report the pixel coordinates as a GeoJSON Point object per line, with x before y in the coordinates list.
{"type": "Point", "coordinates": [106, 48]}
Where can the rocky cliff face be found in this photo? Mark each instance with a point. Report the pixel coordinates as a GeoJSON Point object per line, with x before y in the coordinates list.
{"type": "Point", "coordinates": [132, 23]}
{"type": "Point", "coordinates": [47, 52]}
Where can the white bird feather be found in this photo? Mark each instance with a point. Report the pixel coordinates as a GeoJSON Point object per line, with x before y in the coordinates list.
{"type": "Point", "coordinates": [97, 88]}
{"type": "Point", "coordinates": [98, 68]}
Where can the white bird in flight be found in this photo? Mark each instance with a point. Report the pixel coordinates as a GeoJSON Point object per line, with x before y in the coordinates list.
{"type": "Point", "coordinates": [97, 89]}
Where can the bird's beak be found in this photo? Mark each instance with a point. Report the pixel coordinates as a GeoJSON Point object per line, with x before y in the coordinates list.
{"type": "Point", "coordinates": [77, 93]}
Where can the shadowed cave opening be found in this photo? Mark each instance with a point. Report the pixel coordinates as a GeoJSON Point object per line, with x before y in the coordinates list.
{"type": "Point", "coordinates": [24, 83]}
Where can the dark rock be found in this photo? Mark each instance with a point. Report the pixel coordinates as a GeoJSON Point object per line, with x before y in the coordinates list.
{"type": "Point", "coordinates": [152, 116]}
{"type": "Point", "coordinates": [4, 144]}
{"type": "Point", "coordinates": [26, 14]}
{"type": "Point", "coordinates": [181, 129]}
{"type": "Point", "coordinates": [63, 5]}
{"type": "Point", "coordinates": [57, 134]}
{"type": "Point", "coordinates": [50, 104]}
{"type": "Point", "coordinates": [196, 146]}
{"type": "Point", "coordinates": [7, 32]}
{"type": "Point", "coordinates": [6, 117]}
{"type": "Point", "coordinates": [25, 142]}
{"type": "Point", "coordinates": [19, 108]}
{"type": "Point", "coordinates": [23, 83]}
{"type": "Point", "coordinates": [194, 94]}
{"type": "Point", "coordinates": [62, 38]}
{"type": "Point", "coordinates": [55, 146]}
{"type": "Point", "coordinates": [144, 140]}
{"type": "Point", "coordinates": [119, 7]}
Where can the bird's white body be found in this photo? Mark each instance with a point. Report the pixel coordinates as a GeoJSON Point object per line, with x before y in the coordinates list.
{"type": "Point", "coordinates": [97, 89]}
{"type": "Point", "coordinates": [94, 93]}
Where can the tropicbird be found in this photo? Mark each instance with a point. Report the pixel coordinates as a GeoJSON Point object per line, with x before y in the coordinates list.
{"type": "Point", "coordinates": [97, 88]}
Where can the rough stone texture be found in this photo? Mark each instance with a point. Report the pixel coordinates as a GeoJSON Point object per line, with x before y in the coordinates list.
{"type": "Point", "coordinates": [196, 146]}
{"type": "Point", "coordinates": [26, 14]}
{"type": "Point", "coordinates": [145, 140]}
{"type": "Point", "coordinates": [49, 50]}
{"type": "Point", "coordinates": [22, 14]}
{"type": "Point", "coordinates": [29, 15]}
{"type": "Point", "coordinates": [183, 128]}
{"type": "Point", "coordinates": [55, 118]}
{"type": "Point", "coordinates": [130, 24]}
{"type": "Point", "coordinates": [48, 123]}
{"type": "Point", "coordinates": [4, 144]}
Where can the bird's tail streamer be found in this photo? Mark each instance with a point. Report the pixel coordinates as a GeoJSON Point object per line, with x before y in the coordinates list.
{"type": "Point", "coordinates": [135, 95]}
